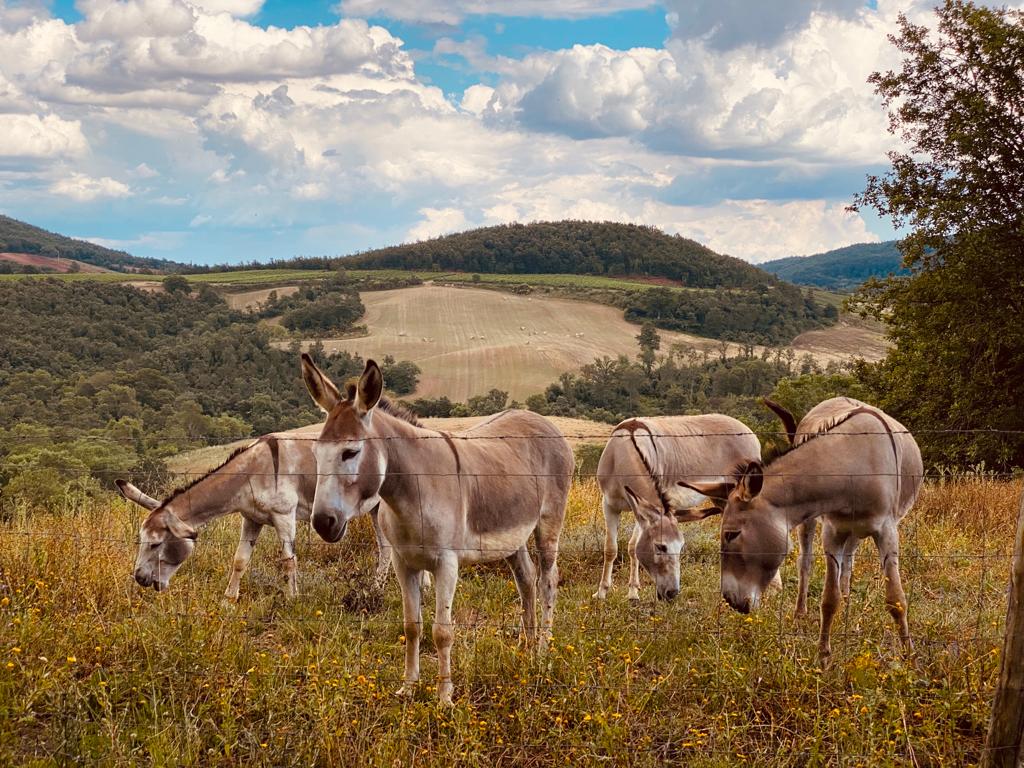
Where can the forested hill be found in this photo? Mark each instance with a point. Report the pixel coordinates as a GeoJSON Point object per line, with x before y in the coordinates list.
{"type": "Point", "coordinates": [841, 269]}
{"type": "Point", "coordinates": [570, 247]}
{"type": "Point", "coordinates": [19, 237]}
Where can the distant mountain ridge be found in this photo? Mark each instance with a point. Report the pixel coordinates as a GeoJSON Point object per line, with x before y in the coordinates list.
{"type": "Point", "coordinates": [842, 269]}
{"type": "Point", "coordinates": [19, 237]}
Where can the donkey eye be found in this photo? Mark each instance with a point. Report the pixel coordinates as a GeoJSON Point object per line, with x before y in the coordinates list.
{"type": "Point", "coordinates": [729, 536]}
{"type": "Point", "coordinates": [154, 545]}
{"type": "Point", "coordinates": [349, 453]}
{"type": "Point", "coordinates": [662, 548]}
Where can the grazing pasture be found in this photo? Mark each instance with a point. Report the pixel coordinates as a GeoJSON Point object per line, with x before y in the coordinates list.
{"type": "Point", "coordinates": [96, 669]}
{"type": "Point", "coordinates": [469, 340]}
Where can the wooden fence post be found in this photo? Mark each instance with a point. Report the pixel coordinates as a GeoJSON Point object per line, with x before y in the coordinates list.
{"type": "Point", "coordinates": [1003, 748]}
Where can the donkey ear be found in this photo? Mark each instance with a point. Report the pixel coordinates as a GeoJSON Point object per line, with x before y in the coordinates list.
{"type": "Point", "coordinates": [640, 508]}
{"type": "Point", "coordinates": [178, 527]}
{"type": "Point", "coordinates": [133, 494]}
{"type": "Point", "coordinates": [321, 388]}
{"type": "Point", "coordinates": [370, 388]}
{"type": "Point", "coordinates": [752, 480]}
{"type": "Point", "coordinates": [693, 515]}
{"type": "Point", "coordinates": [785, 416]}
{"type": "Point", "coordinates": [719, 490]}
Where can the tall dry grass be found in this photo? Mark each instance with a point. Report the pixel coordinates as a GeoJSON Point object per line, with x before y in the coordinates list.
{"type": "Point", "coordinates": [95, 670]}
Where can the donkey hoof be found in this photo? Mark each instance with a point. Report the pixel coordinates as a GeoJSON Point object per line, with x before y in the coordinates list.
{"type": "Point", "coordinates": [601, 593]}
{"type": "Point", "coordinates": [406, 691]}
{"type": "Point", "coordinates": [444, 693]}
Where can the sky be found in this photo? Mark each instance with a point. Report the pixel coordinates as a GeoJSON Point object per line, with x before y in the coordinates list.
{"type": "Point", "coordinates": [223, 131]}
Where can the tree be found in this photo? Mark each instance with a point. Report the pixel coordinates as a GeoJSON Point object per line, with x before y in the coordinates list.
{"type": "Point", "coordinates": [176, 284]}
{"type": "Point", "coordinates": [650, 343]}
{"type": "Point", "coordinates": [957, 321]}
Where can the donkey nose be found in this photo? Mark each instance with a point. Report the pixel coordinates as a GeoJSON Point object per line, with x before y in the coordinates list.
{"type": "Point", "coordinates": [329, 529]}
{"type": "Point", "coordinates": [743, 606]}
{"type": "Point", "coordinates": [670, 594]}
{"type": "Point", "coordinates": [141, 579]}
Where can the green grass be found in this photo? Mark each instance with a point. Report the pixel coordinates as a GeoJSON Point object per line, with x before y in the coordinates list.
{"type": "Point", "coordinates": [96, 670]}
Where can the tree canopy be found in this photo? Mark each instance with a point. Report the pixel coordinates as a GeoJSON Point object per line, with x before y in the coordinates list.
{"type": "Point", "coordinates": [957, 321]}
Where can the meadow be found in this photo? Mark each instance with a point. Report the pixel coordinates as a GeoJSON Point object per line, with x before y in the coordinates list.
{"type": "Point", "coordinates": [97, 670]}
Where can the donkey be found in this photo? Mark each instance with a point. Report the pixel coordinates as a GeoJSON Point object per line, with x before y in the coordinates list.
{"type": "Point", "coordinates": [639, 469]}
{"type": "Point", "coordinates": [451, 499]}
{"type": "Point", "coordinates": [854, 466]}
{"type": "Point", "coordinates": [269, 482]}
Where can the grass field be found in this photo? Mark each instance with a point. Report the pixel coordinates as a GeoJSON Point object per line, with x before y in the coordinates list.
{"type": "Point", "coordinates": [469, 340]}
{"type": "Point", "coordinates": [96, 670]}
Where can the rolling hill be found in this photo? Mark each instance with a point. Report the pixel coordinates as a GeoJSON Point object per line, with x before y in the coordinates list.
{"type": "Point", "coordinates": [18, 237]}
{"type": "Point", "coordinates": [842, 269]}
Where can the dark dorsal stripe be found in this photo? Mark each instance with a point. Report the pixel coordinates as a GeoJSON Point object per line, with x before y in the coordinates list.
{"type": "Point", "coordinates": [631, 426]}
{"type": "Point", "coordinates": [455, 452]}
{"type": "Point", "coordinates": [275, 449]}
{"type": "Point", "coordinates": [832, 425]}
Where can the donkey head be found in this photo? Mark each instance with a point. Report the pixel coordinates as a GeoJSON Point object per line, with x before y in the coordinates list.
{"type": "Point", "coordinates": [165, 540]}
{"type": "Point", "coordinates": [350, 465]}
{"type": "Point", "coordinates": [754, 541]}
{"type": "Point", "coordinates": [659, 544]}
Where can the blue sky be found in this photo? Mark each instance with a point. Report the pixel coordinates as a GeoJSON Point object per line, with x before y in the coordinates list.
{"type": "Point", "coordinates": [229, 130]}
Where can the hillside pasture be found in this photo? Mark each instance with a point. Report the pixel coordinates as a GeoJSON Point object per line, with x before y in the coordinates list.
{"type": "Point", "coordinates": [470, 340]}
{"type": "Point", "coordinates": [95, 669]}
{"type": "Point", "coordinates": [51, 263]}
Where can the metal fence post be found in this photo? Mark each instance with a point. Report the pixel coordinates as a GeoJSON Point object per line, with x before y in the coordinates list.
{"type": "Point", "coordinates": [1003, 748]}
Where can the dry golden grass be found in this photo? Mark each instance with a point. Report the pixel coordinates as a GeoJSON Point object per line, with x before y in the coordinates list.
{"type": "Point", "coordinates": [96, 670]}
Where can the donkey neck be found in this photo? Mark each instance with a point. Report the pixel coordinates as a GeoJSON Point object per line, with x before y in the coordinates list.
{"type": "Point", "coordinates": [220, 492]}
{"type": "Point", "coordinates": [411, 451]}
{"type": "Point", "coordinates": [811, 481]}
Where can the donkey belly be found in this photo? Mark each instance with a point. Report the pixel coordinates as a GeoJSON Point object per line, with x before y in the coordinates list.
{"type": "Point", "coordinates": [494, 545]}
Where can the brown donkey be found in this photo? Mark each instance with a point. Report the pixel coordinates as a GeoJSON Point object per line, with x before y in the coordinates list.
{"type": "Point", "coordinates": [854, 466]}
{"type": "Point", "coordinates": [451, 499]}
{"type": "Point", "coordinates": [639, 469]}
{"type": "Point", "coordinates": [269, 482]}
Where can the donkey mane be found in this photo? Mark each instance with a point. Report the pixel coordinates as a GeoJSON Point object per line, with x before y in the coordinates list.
{"type": "Point", "coordinates": [828, 426]}
{"type": "Point", "coordinates": [234, 455]}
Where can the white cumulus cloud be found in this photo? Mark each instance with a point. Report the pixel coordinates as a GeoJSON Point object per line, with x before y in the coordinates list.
{"type": "Point", "coordinates": [83, 188]}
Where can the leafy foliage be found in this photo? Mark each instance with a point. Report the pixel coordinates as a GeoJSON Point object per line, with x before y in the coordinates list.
{"type": "Point", "coordinates": [841, 269]}
{"type": "Point", "coordinates": [104, 379]}
{"type": "Point", "coordinates": [957, 321]}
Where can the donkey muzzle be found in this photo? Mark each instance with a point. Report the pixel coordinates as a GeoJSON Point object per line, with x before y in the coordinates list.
{"type": "Point", "coordinates": [743, 605]}
{"type": "Point", "coordinates": [329, 528]}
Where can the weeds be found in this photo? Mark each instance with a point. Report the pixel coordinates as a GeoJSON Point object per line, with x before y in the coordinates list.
{"type": "Point", "coordinates": [94, 669]}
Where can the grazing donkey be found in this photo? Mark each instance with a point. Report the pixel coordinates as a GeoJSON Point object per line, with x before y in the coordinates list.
{"type": "Point", "coordinates": [854, 466]}
{"type": "Point", "coordinates": [639, 469]}
{"type": "Point", "coordinates": [452, 499]}
{"type": "Point", "coordinates": [269, 482]}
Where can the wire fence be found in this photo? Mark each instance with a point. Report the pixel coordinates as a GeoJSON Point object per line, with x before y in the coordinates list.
{"type": "Point", "coordinates": [954, 575]}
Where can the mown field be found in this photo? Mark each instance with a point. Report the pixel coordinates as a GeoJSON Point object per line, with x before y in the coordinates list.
{"type": "Point", "coordinates": [468, 340]}
{"type": "Point", "coordinates": [96, 670]}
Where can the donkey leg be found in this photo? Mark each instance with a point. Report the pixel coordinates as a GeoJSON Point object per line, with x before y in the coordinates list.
{"type": "Point", "coordinates": [634, 564]}
{"type": "Point", "coordinates": [806, 563]}
{"type": "Point", "coordinates": [284, 525]}
{"type": "Point", "coordinates": [830, 596]}
{"type": "Point", "coordinates": [409, 584]}
{"type": "Point", "coordinates": [888, 542]}
{"type": "Point", "coordinates": [611, 548]}
{"type": "Point", "coordinates": [446, 578]}
{"type": "Point", "coordinates": [848, 552]}
{"type": "Point", "coordinates": [383, 552]}
{"type": "Point", "coordinates": [525, 573]}
{"type": "Point", "coordinates": [547, 534]}
{"type": "Point", "coordinates": [243, 554]}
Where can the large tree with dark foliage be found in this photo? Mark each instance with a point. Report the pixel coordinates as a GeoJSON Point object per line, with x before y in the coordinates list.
{"type": "Point", "coordinates": [957, 321]}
